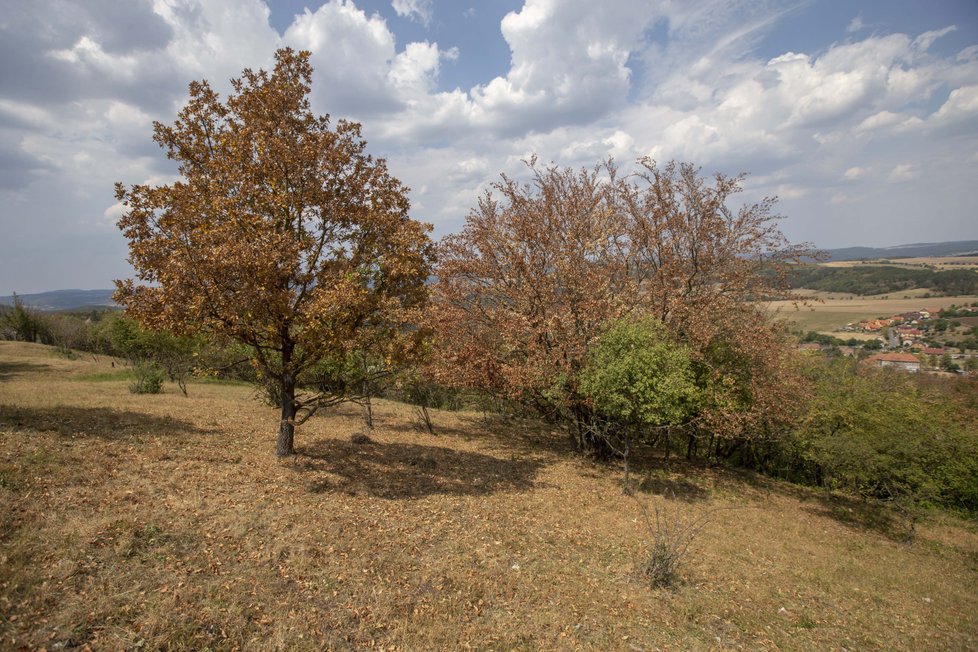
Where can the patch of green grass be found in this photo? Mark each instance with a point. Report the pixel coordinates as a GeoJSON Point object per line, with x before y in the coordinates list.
{"type": "Point", "coordinates": [806, 622]}
{"type": "Point", "coordinates": [207, 380]}
{"type": "Point", "coordinates": [106, 376]}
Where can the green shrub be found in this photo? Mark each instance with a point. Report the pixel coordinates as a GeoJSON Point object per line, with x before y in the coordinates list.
{"type": "Point", "coordinates": [149, 379]}
{"type": "Point", "coordinates": [638, 376]}
{"type": "Point", "coordinates": [888, 436]}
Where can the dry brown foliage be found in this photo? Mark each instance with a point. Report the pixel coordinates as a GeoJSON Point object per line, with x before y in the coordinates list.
{"type": "Point", "coordinates": [281, 234]}
{"type": "Point", "coordinates": [160, 522]}
{"type": "Point", "coordinates": [539, 269]}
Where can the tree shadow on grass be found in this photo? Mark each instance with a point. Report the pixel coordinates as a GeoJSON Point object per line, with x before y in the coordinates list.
{"type": "Point", "coordinates": [863, 515]}
{"type": "Point", "coordinates": [678, 488]}
{"type": "Point", "coordinates": [103, 423]}
{"type": "Point", "coordinates": [10, 369]}
{"type": "Point", "coordinates": [398, 470]}
{"type": "Point", "coordinates": [524, 436]}
{"type": "Point", "coordinates": [855, 513]}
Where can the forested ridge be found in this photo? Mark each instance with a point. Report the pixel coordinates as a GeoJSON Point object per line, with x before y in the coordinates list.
{"type": "Point", "coordinates": [882, 279]}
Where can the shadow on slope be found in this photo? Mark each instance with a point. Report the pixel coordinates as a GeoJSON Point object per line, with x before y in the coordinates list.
{"type": "Point", "coordinates": [10, 369]}
{"type": "Point", "coordinates": [104, 423]}
{"type": "Point", "coordinates": [398, 470]}
{"type": "Point", "coordinates": [524, 436]}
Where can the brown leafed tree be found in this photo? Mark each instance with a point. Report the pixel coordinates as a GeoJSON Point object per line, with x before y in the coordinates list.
{"type": "Point", "coordinates": [540, 269]}
{"type": "Point", "coordinates": [281, 233]}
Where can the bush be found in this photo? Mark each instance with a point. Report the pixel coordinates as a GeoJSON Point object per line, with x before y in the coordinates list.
{"type": "Point", "coordinates": [670, 536]}
{"type": "Point", "coordinates": [149, 379]}
{"type": "Point", "coordinates": [27, 324]}
{"type": "Point", "coordinates": [638, 380]}
{"type": "Point", "coordinates": [890, 437]}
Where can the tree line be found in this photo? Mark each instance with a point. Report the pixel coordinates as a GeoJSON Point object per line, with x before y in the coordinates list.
{"type": "Point", "coordinates": [884, 279]}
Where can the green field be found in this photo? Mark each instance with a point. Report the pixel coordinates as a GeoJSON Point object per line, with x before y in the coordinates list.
{"type": "Point", "coordinates": [826, 312]}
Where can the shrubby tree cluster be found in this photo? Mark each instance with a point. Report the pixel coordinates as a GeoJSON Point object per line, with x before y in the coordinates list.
{"type": "Point", "coordinates": [640, 382]}
{"type": "Point", "coordinates": [540, 271]}
{"type": "Point", "coordinates": [885, 435]}
{"type": "Point", "coordinates": [24, 323]}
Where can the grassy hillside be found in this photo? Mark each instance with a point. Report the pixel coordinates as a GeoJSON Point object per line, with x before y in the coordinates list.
{"type": "Point", "coordinates": [161, 521]}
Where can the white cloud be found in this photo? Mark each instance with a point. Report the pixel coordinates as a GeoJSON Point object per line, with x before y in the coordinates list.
{"type": "Point", "coordinates": [583, 81]}
{"type": "Point", "coordinates": [620, 145]}
{"type": "Point", "coordinates": [879, 120]}
{"type": "Point", "coordinates": [925, 40]}
{"type": "Point", "coordinates": [791, 191]}
{"type": "Point", "coordinates": [961, 106]}
{"type": "Point", "coordinates": [568, 63]}
{"type": "Point", "coordinates": [88, 53]}
{"type": "Point", "coordinates": [417, 10]}
{"type": "Point", "coordinates": [414, 71]}
{"type": "Point", "coordinates": [351, 54]}
{"type": "Point", "coordinates": [216, 39]}
{"type": "Point", "coordinates": [902, 172]}
{"type": "Point", "coordinates": [111, 215]}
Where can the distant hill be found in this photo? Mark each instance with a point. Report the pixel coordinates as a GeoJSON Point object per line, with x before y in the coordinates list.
{"type": "Point", "coordinates": [883, 279]}
{"type": "Point", "coordinates": [919, 250]}
{"type": "Point", "coordinates": [64, 299]}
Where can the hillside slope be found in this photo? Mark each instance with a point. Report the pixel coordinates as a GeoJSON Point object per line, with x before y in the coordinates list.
{"type": "Point", "coordinates": [165, 522]}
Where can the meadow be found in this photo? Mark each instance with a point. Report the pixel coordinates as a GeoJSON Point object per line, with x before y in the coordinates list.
{"type": "Point", "coordinates": [931, 262]}
{"type": "Point", "coordinates": [159, 521]}
{"type": "Point", "coordinates": [827, 311]}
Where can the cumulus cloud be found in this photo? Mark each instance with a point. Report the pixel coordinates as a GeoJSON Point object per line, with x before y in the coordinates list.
{"type": "Point", "coordinates": [961, 107]}
{"type": "Point", "coordinates": [417, 10]}
{"type": "Point", "coordinates": [352, 53]}
{"type": "Point", "coordinates": [880, 120]}
{"type": "Point", "coordinates": [626, 78]}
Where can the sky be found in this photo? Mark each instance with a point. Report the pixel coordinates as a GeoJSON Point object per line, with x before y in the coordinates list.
{"type": "Point", "coordinates": [861, 117]}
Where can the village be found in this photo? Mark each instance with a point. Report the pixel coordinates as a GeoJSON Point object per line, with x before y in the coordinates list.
{"type": "Point", "coordinates": [940, 342]}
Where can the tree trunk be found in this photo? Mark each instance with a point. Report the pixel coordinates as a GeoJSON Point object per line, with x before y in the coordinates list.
{"type": "Point", "coordinates": [425, 418]}
{"type": "Point", "coordinates": [589, 442]}
{"type": "Point", "coordinates": [368, 412]}
{"type": "Point", "coordinates": [626, 449]}
{"type": "Point", "coordinates": [286, 430]}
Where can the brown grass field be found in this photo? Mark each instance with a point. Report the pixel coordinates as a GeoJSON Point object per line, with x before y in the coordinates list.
{"type": "Point", "coordinates": [933, 262]}
{"type": "Point", "coordinates": [164, 522]}
{"type": "Point", "coordinates": [827, 312]}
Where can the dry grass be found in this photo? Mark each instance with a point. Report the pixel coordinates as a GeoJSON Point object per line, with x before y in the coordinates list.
{"type": "Point", "coordinates": [163, 522]}
{"type": "Point", "coordinates": [830, 311]}
{"type": "Point", "coordinates": [933, 262]}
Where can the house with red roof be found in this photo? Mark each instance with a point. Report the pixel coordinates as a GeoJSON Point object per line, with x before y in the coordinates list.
{"type": "Point", "coordinates": [902, 361]}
